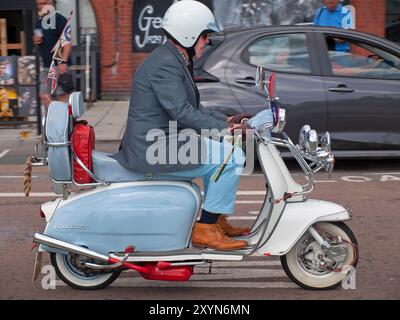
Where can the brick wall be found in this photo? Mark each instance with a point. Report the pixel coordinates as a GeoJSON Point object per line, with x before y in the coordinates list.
{"type": "Point", "coordinates": [116, 76]}
{"type": "Point", "coordinates": [370, 16]}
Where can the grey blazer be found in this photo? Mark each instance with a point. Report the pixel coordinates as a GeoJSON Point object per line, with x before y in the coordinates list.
{"type": "Point", "coordinates": [162, 91]}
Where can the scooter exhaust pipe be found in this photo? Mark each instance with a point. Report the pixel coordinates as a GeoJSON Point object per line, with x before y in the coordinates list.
{"type": "Point", "coordinates": [58, 244]}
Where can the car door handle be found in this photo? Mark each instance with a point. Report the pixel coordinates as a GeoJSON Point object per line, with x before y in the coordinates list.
{"type": "Point", "coordinates": [248, 81]}
{"type": "Point", "coordinates": [341, 88]}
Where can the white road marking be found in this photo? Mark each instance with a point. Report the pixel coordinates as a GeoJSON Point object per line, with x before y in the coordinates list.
{"type": "Point", "coordinates": [254, 212]}
{"type": "Point", "coordinates": [388, 177]}
{"type": "Point", "coordinates": [248, 193]}
{"type": "Point", "coordinates": [383, 173]}
{"type": "Point", "coordinates": [249, 202]}
{"type": "Point", "coordinates": [242, 218]}
{"type": "Point", "coordinates": [356, 179]}
{"type": "Point", "coordinates": [33, 194]}
{"type": "Point", "coordinates": [4, 153]}
{"type": "Point", "coordinates": [15, 177]}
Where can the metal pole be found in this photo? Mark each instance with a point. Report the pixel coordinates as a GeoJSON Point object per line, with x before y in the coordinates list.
{"type": "Point", "coordinates": [87, 68]}
{"type": "Point", "coordinates": [38, 100]}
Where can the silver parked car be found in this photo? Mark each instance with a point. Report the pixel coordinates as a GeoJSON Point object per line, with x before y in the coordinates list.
{"type": "Point", "coordinates": [353, 94]}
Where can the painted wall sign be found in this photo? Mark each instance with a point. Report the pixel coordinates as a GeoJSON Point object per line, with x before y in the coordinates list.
{"type": "Point", "coordinates": [147, 19]}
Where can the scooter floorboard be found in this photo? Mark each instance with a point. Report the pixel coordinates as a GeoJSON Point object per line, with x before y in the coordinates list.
{"type": "Point", "coordinates": [183, 255]}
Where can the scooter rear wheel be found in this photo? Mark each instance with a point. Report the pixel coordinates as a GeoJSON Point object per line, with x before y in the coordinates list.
{"type": "Point", "coordinates": [303, 267]}
{"type": "Point", "coordinates": [69, 271]}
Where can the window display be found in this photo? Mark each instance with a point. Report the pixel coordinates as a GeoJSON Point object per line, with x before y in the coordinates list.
{"type": "Point", "coordinates": [26, 70]}
{"type": "Point", "coordinates": [8, 71]}
{"type": "Point", "coordinates": [18, 91]}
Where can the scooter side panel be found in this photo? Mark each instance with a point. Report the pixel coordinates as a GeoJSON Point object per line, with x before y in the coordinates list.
{"type": "Point", "coordinates": [150, 217]}
{"type": "Point", "coordinates": [295, 221]}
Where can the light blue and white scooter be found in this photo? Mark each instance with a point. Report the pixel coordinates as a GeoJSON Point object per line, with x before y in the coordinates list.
{"type": "Point", "coordinates": [126, 221]}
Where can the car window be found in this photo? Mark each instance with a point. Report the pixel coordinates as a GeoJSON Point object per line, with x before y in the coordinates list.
{"type": "Point", "coordinates": [288, 53]}
{"type": "Point", "coordinates": [361, 60]}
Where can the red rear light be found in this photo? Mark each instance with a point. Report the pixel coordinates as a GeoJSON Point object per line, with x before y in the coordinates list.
{"type": "Point", "coordinates": [42, 213]}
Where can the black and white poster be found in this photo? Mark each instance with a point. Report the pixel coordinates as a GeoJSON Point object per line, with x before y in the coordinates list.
{"type": "Point", "coordinates": [27, 101]}
{"type": "Point", "coordinates": [147, 19]}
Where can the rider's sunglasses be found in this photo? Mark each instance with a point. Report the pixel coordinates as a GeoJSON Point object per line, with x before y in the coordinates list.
{"type": "Point", "coordinates": [205, 35]}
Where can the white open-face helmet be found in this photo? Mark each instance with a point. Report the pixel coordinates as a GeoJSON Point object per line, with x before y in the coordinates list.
{"type": "Point", "coordinates": [186, 20]}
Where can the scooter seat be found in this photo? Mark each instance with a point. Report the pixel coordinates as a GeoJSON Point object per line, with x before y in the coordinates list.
{"type": "Point", "coordinates": [109, 170]}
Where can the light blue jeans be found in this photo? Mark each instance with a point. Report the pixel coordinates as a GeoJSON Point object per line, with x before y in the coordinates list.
{"type": "Point", "coordinates": [219, 196]}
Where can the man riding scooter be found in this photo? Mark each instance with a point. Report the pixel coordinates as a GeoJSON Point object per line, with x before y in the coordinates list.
{"type": "Point", "coordinates": [163, 90]}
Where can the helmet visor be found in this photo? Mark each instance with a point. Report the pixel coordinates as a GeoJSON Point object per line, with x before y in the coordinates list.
{"type": "Point", "coordinates": [213, 27]}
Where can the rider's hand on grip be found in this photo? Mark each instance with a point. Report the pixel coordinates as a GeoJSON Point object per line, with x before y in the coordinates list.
{"type": "Point", "coordinates": [237, 119]}
{"type": "Point", "coordinates": [243, 127]}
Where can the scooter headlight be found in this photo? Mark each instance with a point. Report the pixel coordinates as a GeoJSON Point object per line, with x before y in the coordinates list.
{"type": "Point", "coordinates": [319, 151]}
{"type": "Point", "coordinates": [308, 140]}
{"type": "Point", "coordinates": [303, 136]}
{"type": "Point", "coordinates": [326, 142]}
{"type": "Point", "coordinates": [312, 141]}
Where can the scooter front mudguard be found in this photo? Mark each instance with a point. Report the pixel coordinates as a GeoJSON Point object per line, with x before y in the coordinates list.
{"type": "Point", "coordinates": [152, 216]}
{"type": "Point", "coordinates": [296, 218]}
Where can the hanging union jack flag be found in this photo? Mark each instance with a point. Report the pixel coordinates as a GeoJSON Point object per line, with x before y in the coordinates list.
{"type": "Point", "coordinates": [52, 78]}
{"type": "Point", "coordinates": [65, 38]}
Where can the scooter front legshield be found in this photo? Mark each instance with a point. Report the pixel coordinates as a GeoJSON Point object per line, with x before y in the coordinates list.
{"type": "Point", "coordinates": [297, 218]}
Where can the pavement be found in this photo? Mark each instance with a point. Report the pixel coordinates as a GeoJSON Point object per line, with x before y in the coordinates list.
{"type": "Point", "coordinates": [107, 117]}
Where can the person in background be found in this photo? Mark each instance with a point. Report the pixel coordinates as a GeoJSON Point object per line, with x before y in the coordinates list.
{"type": "Point", "coordinates": [45, 37]}
{"type": "Point", "coordinates": [333, 14]}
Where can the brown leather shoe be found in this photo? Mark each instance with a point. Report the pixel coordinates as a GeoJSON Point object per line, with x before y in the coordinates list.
{"type": "Point", "coordinates": [211, 236]}
{"type": "Point", "coordinates": [230, 230]}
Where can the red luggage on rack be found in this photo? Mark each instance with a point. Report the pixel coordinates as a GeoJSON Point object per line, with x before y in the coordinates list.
{"type": "Point", "coordinates": [82, 144]}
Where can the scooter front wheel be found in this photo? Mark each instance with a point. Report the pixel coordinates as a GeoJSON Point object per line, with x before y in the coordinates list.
{"type": "Point", "coordinates": [307, 265]}
{"type": "Point", "coordinates": [69, 269]}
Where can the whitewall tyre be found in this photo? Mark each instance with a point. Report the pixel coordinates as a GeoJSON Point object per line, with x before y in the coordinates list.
{"type": "Point", "coordinates": [304, 268]}
{"type": "Point", "coordinates": [80, 278]}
